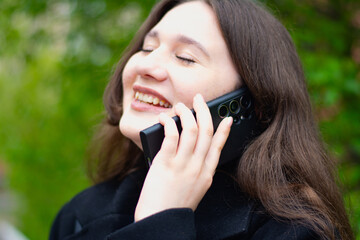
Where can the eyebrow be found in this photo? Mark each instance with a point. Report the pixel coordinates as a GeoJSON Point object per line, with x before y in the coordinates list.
{"type": "Point", "coordinates": [183, 39]}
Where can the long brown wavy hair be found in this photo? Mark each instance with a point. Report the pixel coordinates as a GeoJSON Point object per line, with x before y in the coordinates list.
{"type": "Point", "coordinates": [286, 168]}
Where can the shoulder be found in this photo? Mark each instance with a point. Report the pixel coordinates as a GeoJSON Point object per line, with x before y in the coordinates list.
{"type": "Point", "coordinates": [112, 196]}
{"type": "Point", "coordinates": [264, 226]}
{"type": "Point", "coordinates": [98, 205]}
{"type": "Point", "coordinates": [226, 212]}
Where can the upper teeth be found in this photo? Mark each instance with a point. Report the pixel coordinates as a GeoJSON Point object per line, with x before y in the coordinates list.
{"type": "Point", "coordinates": [151, 100]}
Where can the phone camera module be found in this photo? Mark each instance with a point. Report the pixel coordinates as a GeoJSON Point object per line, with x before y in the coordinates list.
{"type": "Point", "coordinates": [223, 111]}
{"type": "Point", "coordinates": [236, 119]}
{"type": "Point", "coordinates": [247, 115]}
{"type": "Point", "coordinates": [245, 102]}
{"type": "Point", "coordinates": [234, 106]}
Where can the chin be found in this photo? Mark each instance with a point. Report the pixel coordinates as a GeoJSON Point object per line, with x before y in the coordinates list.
{"type": "Point", "coordinates": [130, 132]}
{"type": "Point", "coordinates": [132, 122]}
{"type": "Point", "coordinates": [130, 127]}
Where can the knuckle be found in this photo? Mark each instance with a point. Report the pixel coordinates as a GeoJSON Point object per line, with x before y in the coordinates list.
{"type": "Point", "coordinates": [223, 133]}
{"type": "Point", "coordinates": [173, 137]}
{"type": "Point", "coordinates": [193, 173]}
{"type": "Point", "coordinates": [209, 131]}
{"type": "Point", "coordinates": [218, 148]}
{"type": "Point", "coordinates": [193, 130]}
{"type": "Point", "coordinates": [207, 179]}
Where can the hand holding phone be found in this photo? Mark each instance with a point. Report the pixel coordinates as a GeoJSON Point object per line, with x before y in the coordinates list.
{"type": "Point", "coordinates": [183, 169]}
{"type": "Point", "coordinates": [237, 104]}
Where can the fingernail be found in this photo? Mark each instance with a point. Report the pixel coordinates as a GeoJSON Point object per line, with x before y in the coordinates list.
{"type": "Point", "coordinates": [230, 121]}
{"type": "Point", "coordinates": [162, 115]}
{"type": "Point", "coordinates": [178, 106]}
{"type": "Point", "coordinates": [198, 96]}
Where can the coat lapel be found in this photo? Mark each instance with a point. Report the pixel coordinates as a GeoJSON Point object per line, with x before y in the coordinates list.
{"type": "Point", "coordinates": [94, 203]}
{"type": "Point", "coordinates": [224, 211]}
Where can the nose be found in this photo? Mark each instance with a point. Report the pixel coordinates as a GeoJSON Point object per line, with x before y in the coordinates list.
{"type": "Point", "coordinates": [153, 66]}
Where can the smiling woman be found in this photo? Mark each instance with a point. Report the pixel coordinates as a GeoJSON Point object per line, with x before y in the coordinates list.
{"type": "Point", "coordinates": [174, 64]}
{"type": "Point", "coordinates": [187, 53]}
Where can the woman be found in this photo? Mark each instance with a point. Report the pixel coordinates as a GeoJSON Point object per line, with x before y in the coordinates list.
{"type": "Point", "coordinates": [187, 53]}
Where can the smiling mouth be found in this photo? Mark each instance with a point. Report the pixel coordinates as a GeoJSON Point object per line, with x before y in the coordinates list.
{"type": "Point", "coordinates": [152, 100]}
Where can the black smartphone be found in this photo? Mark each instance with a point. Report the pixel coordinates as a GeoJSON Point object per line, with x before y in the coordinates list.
{"type": "Point", "coordinates": [237, 104]}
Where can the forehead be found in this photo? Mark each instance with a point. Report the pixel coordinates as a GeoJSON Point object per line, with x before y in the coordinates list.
{"type": "Point", "coordinates": [195, 19]}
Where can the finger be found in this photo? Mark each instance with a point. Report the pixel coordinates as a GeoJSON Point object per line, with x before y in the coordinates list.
{"type": "Point", "coordinates": [218, 143]}
{"type": "Point", "coordinates": [205, 125]}
{"type": "Point", "coordinates": [189, 131]}
{"type": "Point", "coordinates": [170, 143]}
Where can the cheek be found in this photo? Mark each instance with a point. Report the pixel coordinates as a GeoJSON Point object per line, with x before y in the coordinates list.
{"type": "Point", "coordinates": [190, 85]}
{"type": "Point", "coordinates": [185, 93]}
{"type": "Point", "coordinates": [210, 84]}
{"type": "Point", "coordinates": [128, 75]}
{"type": "Point", "coordinates": [184, 87]}
{"type": "Point", "coordinates": [129, 72]}
{"type": "Point", "coordinates": [128, 79]}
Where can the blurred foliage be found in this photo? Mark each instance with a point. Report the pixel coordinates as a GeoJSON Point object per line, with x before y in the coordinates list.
{"type": "Point", "coordinates": [57, 56]}
{"type": "Point", "coordinates": [327, 35]}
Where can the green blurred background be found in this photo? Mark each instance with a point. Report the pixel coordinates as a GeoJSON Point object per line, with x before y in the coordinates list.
{"type": "Point", "coordinates": [57, 56]}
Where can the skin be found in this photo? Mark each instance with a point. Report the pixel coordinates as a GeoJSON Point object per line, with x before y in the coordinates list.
{"type": "Point", "coordinates": [185, 61]}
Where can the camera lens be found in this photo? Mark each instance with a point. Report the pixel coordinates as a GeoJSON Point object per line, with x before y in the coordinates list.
{"type": "Point", "coordinates": [236, 119]}
{"type": "Point", "coordinates": [223, 111]}
{"type": "Point", "coordinates": [245, 102]}
{"type": "Point", "coordinates": [247, 115]}
{"type": "Point", "coordinates": [234, 106]}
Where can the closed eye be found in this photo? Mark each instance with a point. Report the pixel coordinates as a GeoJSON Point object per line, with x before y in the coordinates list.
{"type": "Point", "coordinates": [185, 60]}
{"type": "Point", "coordinates": [146, 50]}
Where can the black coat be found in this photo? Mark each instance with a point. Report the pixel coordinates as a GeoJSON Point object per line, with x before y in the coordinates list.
{"type": "Point", "coordinates": [106, 211]}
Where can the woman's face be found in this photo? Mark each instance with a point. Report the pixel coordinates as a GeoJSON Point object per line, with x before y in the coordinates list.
{"type": "Point", "coordinates": [184, 54]}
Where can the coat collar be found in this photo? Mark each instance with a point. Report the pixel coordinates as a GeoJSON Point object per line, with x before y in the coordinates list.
{"type": "Point", "coordinates": [224, 211]}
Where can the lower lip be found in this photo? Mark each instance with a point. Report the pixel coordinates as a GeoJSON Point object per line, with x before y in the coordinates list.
{"type": "Point", "coordinates": [144, 107]}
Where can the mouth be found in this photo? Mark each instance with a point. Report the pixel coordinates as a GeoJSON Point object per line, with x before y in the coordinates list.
{"type": "Point", "coordinates": [151, 100]}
